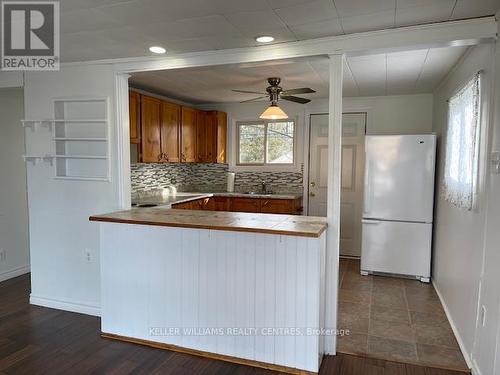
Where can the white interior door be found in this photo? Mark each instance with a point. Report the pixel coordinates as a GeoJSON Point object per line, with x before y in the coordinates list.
{"type": "Point", "coordinates": [318, 165]}
{"type": "Point", "coordinates": [351, 203]}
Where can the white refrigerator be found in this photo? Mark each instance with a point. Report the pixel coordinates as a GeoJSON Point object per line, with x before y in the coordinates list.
{"type": "Point", "coordinates": [398, 205]}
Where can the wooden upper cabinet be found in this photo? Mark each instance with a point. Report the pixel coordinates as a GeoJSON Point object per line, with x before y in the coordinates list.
{"type": "Point", "coordinates": [201, 136]}
{"type": "Point", "coordinates": [188, 135]}
{"type": "Point", "coordinates": [221, 146]}
{"type": "Point", "coordinates": [134, 104]}
{"type": "Point", "coordinates": [170, 131]}
{"type": "Point", "coordinates": [150, 124]}
{"type": "Point", "coordinates": [211, 140]}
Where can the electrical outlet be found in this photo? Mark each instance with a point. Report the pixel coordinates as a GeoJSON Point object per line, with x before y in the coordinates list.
{"type": "Point", "coordinates": [3, 255]}
{"type": "Point", "coordinates": [87, 253]}
{"type": "Point", "coordinates": [483, 315]}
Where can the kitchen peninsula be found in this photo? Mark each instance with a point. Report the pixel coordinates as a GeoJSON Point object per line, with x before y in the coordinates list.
{"type": "Point", "coordinates": [241, 287]}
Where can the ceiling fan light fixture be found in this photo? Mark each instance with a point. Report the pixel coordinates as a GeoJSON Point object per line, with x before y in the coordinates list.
{"type": "Point", "coordinates": [264, 39]}
{"type": "Point", "coordinates": [273, 112]}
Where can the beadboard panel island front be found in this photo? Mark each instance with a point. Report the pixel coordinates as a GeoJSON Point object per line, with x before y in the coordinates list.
{"type": "Point", "coordinates": [253, 298]}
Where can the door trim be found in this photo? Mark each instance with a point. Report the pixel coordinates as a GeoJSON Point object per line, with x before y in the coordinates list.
{"type": "Point", "coordinates": [307, 148]}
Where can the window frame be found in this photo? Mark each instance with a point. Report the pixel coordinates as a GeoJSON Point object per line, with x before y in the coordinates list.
{"type": "Point", "coordinates": [266, 124]}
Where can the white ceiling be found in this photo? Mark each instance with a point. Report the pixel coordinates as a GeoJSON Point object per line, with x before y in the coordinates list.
{"type": "Point", "coordinates": [383, 74]}
{"type": "Point", "coordinates": [102, 29]}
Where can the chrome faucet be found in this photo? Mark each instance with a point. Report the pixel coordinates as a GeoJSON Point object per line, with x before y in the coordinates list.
{"type": "Point", "coordinates": [264, 186]}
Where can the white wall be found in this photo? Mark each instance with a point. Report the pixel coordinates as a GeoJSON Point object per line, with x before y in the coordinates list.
{"type": "Point", "coordinates": [458, 234]}
{"type": "Point", "coordinates": [59, 209]}
{"type": "Point", "coordinates": [401, 114]}
{"type": "Point", "coordinates": [487, 344]}
{"type": "Point", "coordinates": [13, 206]}
{"type": "Point", "coordinates": [11, 79]}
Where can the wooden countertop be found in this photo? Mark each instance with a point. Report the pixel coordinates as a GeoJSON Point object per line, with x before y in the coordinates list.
{"type": "Point", "coordinates": [291, 225]}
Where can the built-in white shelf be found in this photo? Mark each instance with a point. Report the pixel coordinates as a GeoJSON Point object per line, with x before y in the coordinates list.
{"type": "Point", "coordinates": [76, 139]}
{"type": "Point", "coordinates": [35, 159]}
{"type": "Point", "coordinates": [81, 139]}
{"type": "Point", "coordinates": [80, 136]}
{"type": "Point", "coordinates": [80, 157]}
{"type": "Point", "coordinates": [82, 178]}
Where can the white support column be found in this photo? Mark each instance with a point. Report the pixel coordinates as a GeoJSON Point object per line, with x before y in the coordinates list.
{"type": "Point", "coordinates": [333, 207]}
{"type": "Point", "coordinates": [122, 140]}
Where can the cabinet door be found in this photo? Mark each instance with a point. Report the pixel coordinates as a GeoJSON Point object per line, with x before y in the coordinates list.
{"type": "Point", "coordinates": [221, 148]}
{"type": "Point", "coordinates": [188, 135]}
{"type": "Point", "coordinates": [150, 124]}
{"type": "Point", "coordinates": [183, 206]}
{"type": "Point", "coordinates": [245, 204]}
{"type": "Point", "coordinates": [222, 204]}
{"type": "Point", "coordinates": [134, 116]}
{"type": "Point", "coordinates": [277, 206]}
{"type": "Point", "coordinates": [170, 129]}
{"type": "Point", "coordinates": [201, 136]}
{"type": "Point", "coordinates": [211, 138]}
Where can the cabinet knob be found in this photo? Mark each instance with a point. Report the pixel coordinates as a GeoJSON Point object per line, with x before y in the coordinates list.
{"type": "Point", "coordinates": [160, 156]}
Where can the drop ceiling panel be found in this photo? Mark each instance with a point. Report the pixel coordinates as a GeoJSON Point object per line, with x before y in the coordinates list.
{"type": "Point", "coordinates": [368, 22]}
{"type": "Point", "coordinates": [370, 74]}
{"type": "Point", "coordinates": [315, 11]}
{"type": "Point", "coordinates": [317, 29]}
{"type": "Point", "coordinates": [215, 25]}
{"type": "Point", "coordinates": [435, 12]}
{"type": "Point", "coordinates": [475, 8]}
{"type": "Point", "coordinates": [438, 64]}
{"type": "Point", "coordinates": [348, 8]}
{"type": "Point", "coordinates": [403, 71]}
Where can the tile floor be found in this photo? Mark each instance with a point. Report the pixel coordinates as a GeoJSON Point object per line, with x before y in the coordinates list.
{"type": "Point", "coordinates": [394, 319]}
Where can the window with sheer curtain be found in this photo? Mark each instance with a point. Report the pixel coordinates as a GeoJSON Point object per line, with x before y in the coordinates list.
{"type": "Point", "coordinates": [462, 146]}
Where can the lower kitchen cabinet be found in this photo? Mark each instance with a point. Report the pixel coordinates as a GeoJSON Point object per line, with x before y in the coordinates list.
{"type": "Point", "coordinates": [245, 204]}
{"type": "Point", "coordinates": [281, 206]}
{"type": "Point", "coordinates": [241, 204]}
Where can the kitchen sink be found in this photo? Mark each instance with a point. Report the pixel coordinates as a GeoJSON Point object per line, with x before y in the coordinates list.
{"type": "Point", "coordinates": [258, 193]}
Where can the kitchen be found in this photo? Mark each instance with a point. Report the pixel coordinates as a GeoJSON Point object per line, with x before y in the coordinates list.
{"type": "Point", "coordinates": [191, 158]}
{"type": "Point", "coordinates": [222, 241]}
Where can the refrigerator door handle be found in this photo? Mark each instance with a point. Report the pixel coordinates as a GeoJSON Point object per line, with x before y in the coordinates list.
{"type": "Point", "coordinates": [368, 190]}
{"type": "Point", "coordinates": [373, 222]}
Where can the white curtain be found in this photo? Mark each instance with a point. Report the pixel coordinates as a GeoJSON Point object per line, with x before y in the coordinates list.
{"type": "Point", "coordinates": [462, 146]}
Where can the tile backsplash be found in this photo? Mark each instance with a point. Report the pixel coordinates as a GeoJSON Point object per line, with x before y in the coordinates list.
{"type": "Point", "coordinates": [209, 178]}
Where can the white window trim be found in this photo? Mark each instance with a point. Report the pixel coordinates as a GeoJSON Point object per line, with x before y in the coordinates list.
{"type": "Point", "coordinates": [265, 166]}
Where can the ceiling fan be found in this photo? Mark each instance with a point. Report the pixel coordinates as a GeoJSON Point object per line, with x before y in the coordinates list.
{"type": "Point", "coordinates": [275, 92]}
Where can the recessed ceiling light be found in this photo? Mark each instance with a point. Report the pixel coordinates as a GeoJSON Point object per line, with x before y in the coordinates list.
{"type": "Point", "coordinates": [264, 39]}
{"type": "Point", "coordinates": [157, 49]}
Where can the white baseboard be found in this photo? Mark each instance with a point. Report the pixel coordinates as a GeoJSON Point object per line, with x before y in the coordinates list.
{"type": "Point", "coordinates": [6, 275]}
{"type": "Point", "coordinates": [475, 368]}
{"type": "Point", "coordinates": [461, 344]}
{"type": "Point", "coordinates": [65, 305]}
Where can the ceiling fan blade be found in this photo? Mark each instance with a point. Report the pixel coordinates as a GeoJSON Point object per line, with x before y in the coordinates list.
{"type": "Point", "coordinates": [303, 90]}
{"type": "Point", "coordinates": [295, 99]}
{"type": "Point", "coordinates": [249, 92]}
{"type": "Point", "coordinates": [254, 99]}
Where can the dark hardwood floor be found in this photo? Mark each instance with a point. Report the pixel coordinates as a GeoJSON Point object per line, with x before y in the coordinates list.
{"type": "Point", "coordinates": [36, 340]}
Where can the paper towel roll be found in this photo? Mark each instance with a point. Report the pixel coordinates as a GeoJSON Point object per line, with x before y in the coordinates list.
{"type": "Point", "coordinates": [230, 181]}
